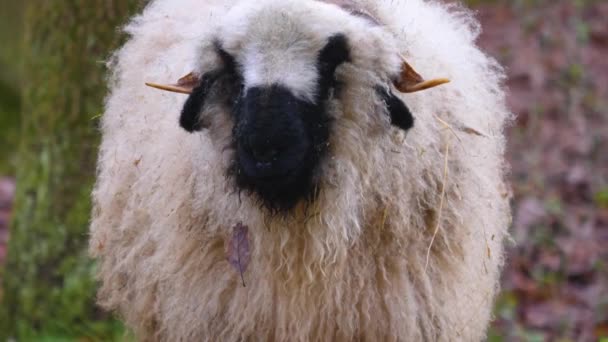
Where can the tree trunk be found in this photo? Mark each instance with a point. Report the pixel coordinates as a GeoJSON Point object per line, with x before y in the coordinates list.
{"type": "Point", "coordinates": [11, 24]}
{"type": "Point", "coordinates": [49, 289]}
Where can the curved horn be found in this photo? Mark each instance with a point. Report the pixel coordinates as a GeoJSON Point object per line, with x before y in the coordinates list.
{"type": "Point", "coordinates": [410, 81]}
{"type": "Point", "coordinates": [184, 85]}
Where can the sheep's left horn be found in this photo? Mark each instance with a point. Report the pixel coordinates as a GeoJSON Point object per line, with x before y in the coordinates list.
{"type": "Point", "coordinates": [410, 81]}
{"type": "Point", "coordinates": [184, 85]}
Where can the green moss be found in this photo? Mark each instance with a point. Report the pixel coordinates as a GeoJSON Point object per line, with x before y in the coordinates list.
{"type": "Point", "coordinates": [49, 287]}
{"type": "Point", "coordinates": [11, 23]}
{"type": "Point", "coordinates": [601, 198]}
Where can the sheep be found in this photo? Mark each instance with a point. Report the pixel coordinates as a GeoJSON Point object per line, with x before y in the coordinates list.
{"type": "Point", "coordinates": [302, 189]}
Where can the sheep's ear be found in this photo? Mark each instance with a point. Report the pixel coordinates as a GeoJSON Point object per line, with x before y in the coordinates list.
{"type": "Point", "coordinates": [410, 81]}
{"type": "Point", "coordinates": [398, 111]}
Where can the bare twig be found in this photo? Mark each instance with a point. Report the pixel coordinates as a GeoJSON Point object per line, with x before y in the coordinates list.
{"type": "Point", "coordinates": [441, 201]}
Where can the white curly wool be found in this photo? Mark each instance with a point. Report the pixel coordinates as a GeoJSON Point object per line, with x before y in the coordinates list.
{"type": "Point", "coordinates": [404, 241]}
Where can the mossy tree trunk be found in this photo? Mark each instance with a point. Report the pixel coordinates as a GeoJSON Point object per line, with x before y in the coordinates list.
{"type": "Point", "coordinates": [11, 19]}
{"type": "Point", "coordinates": [49, 290]}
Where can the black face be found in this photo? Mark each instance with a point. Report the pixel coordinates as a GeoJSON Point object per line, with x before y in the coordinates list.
{"type": "Point", "coordinates": [278, 138]}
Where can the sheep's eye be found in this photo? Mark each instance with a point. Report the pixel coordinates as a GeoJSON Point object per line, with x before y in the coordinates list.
{"type": "Point", "coordinates": [228, 60]}
{"type": "Point", "coordinates": [334, 53]}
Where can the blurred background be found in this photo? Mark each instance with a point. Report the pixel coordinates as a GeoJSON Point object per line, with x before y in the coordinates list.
{"type": "Point", "coordinates": [52, 84]}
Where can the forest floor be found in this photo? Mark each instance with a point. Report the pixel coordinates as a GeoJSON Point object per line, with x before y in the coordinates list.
{"type": "Point", "coordinates": [555, 284]}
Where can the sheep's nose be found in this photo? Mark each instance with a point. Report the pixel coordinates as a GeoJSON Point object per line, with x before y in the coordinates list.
{"type": "Point", "coordinates": [264, 154]}
{"type": "Point", "coordinates": [262, 151]}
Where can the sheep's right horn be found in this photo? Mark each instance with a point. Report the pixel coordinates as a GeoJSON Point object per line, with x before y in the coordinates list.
{"type": "Point", "coordinates": [184, 85]}
{"type": "Point", "coordinates": [410, 81]}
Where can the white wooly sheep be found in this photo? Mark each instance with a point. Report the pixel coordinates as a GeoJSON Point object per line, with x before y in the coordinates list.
{"type": "Point", "coordinates": [292, 174]}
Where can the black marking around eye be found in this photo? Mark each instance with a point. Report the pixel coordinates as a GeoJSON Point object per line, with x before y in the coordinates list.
{"type": "Point", "coordinates": [189, 118]}
{"type": "Point", "coordinates": [335, 52]}
{"type": "Point", "coordinates": [226, 76]}
{"type": "Point", "coordinates": [399, 113]}
{"type": "Point", "coordinates": [228, 61]}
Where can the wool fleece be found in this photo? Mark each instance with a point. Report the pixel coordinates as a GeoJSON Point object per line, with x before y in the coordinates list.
{"type": "Point", "coordinates": [402, 239]}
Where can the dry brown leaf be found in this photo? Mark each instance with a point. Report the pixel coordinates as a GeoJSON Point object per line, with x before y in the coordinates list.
{"type": "Point", "coordinates": [239, 253]}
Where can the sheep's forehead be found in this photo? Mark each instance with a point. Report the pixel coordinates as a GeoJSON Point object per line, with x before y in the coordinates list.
{"type": "Point", "coordinates": [278, 42]}
{"type": "Point", "coordinates": [283, 54]}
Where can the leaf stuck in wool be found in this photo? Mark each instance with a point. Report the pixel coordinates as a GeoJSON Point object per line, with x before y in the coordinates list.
{"type": "Point", "coordinates": [239, 252]}
{"type": "Point", "coordinates": [353, 8]}
{"type": "Point", "coordinates": [473, 131]}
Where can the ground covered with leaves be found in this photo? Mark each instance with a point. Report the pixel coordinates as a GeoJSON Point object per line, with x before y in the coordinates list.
{"type": "Point", "coordinates": [555, 284]}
